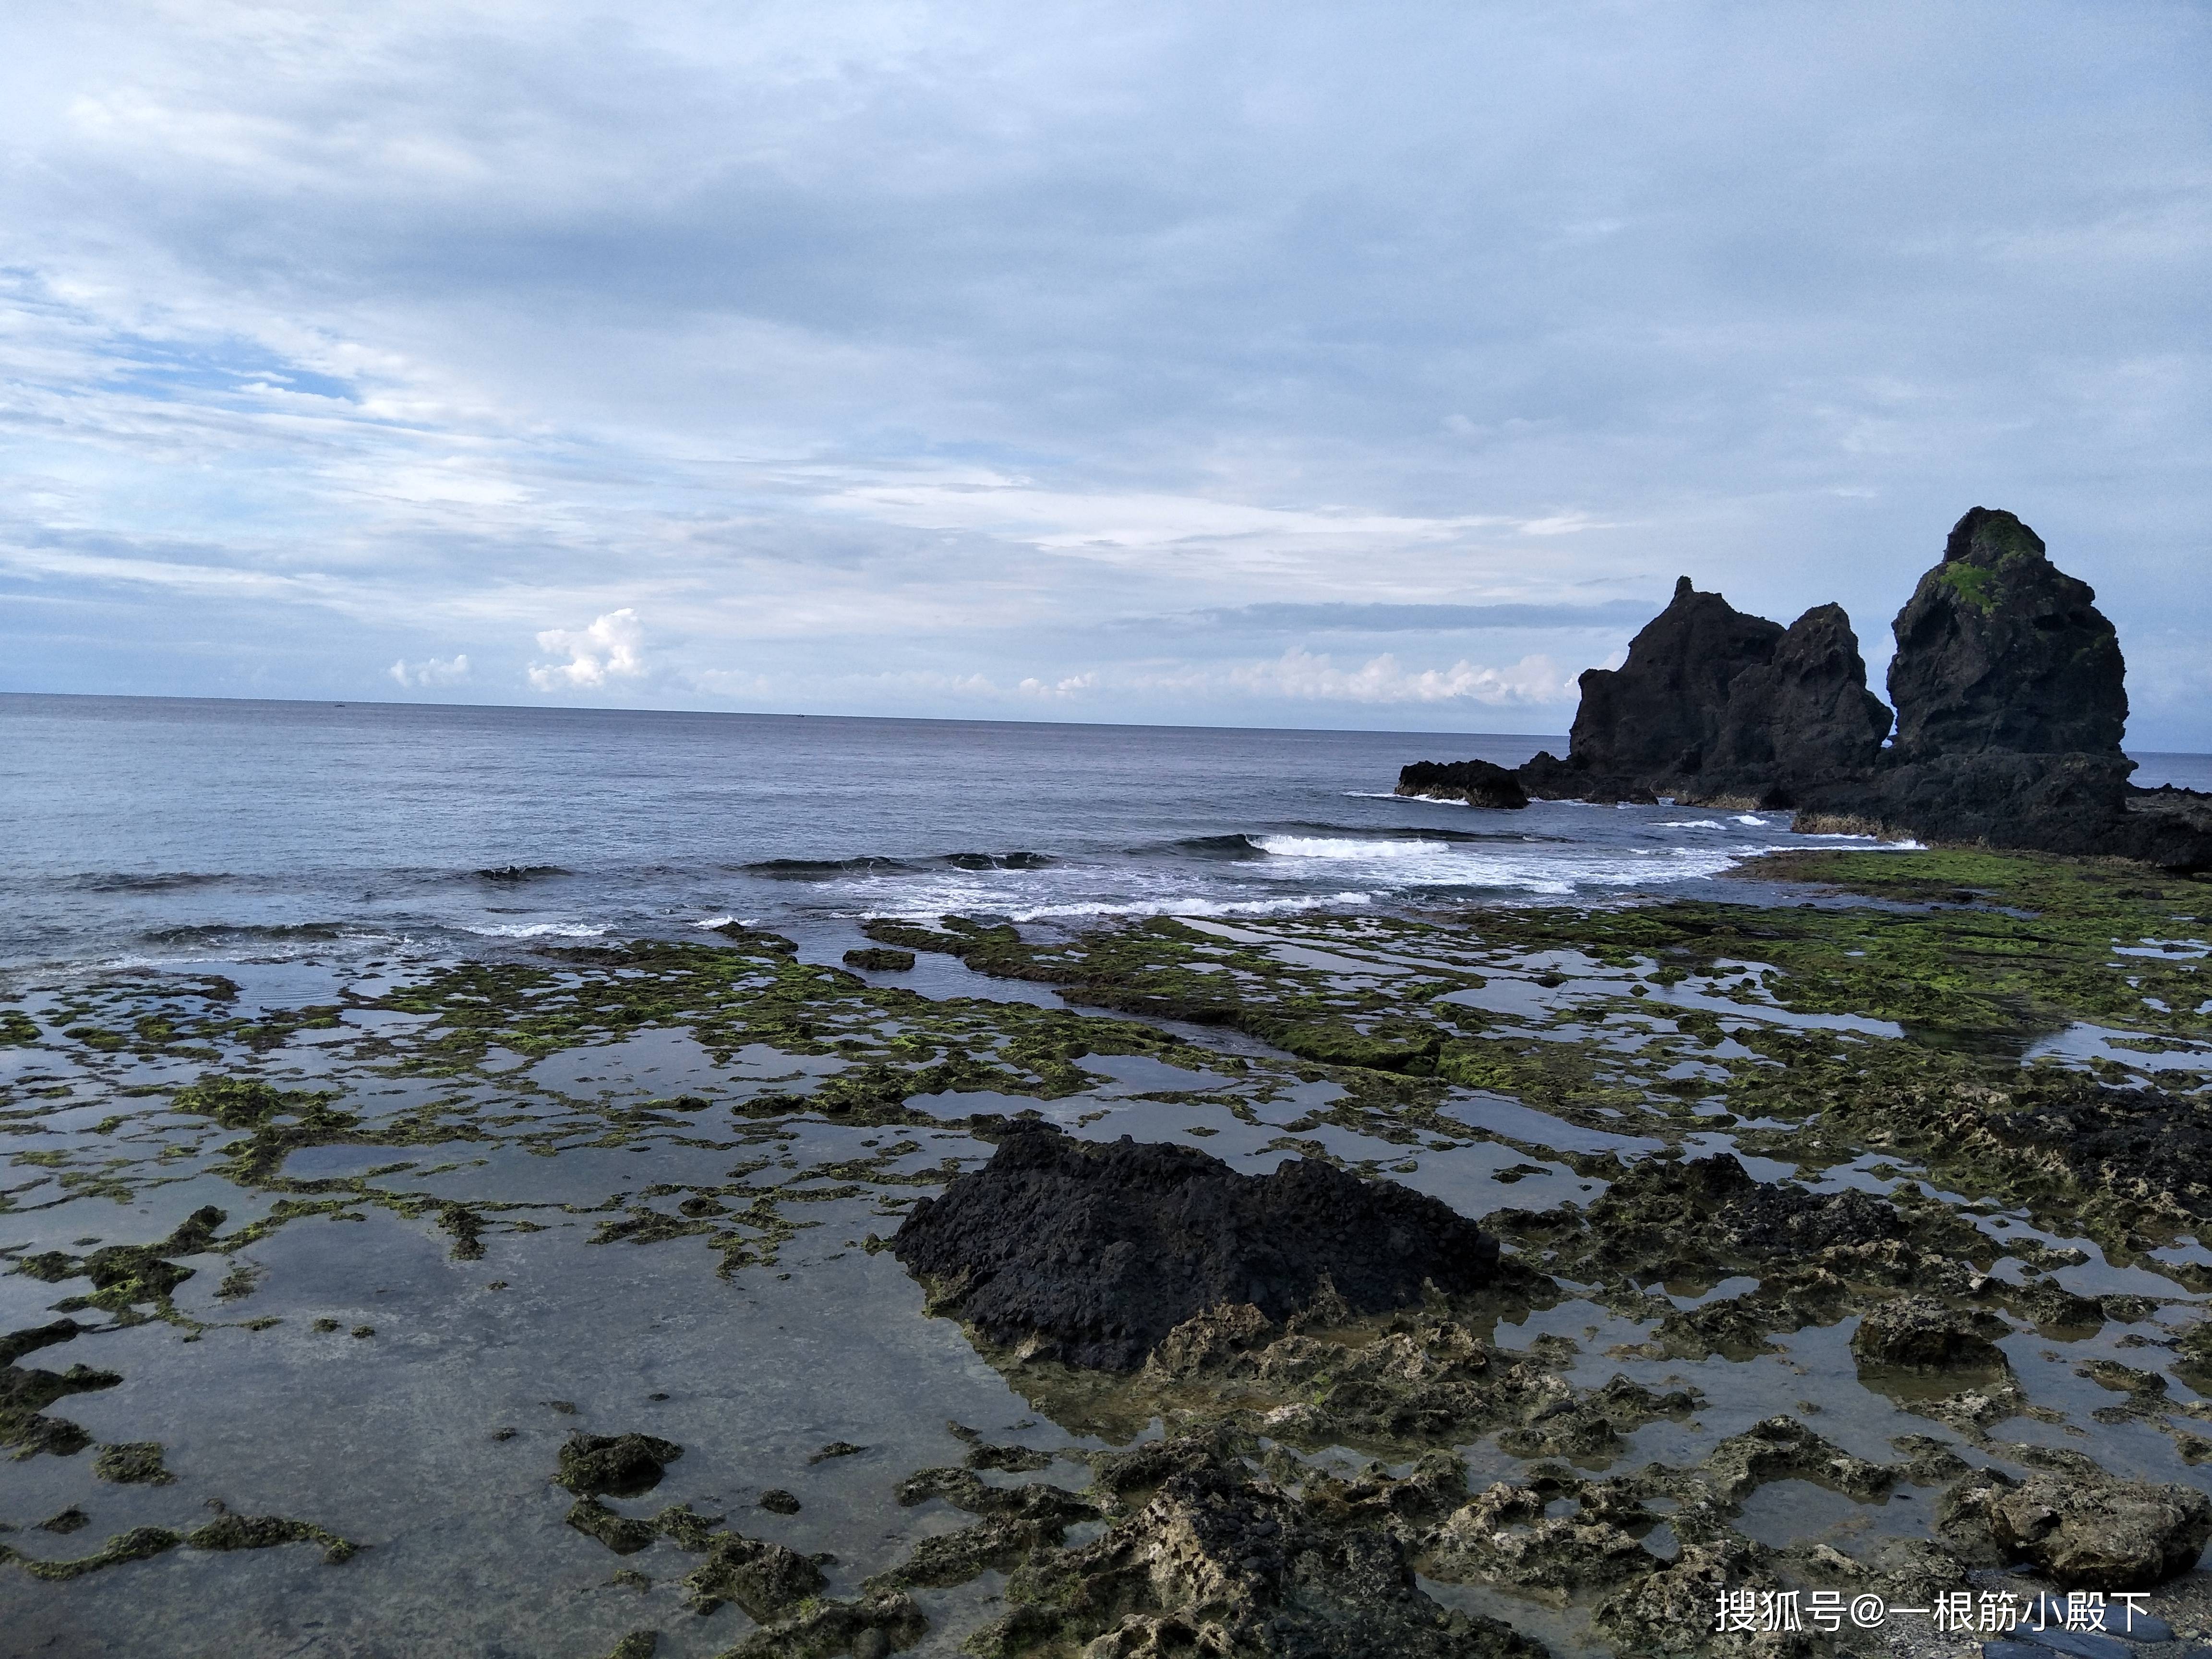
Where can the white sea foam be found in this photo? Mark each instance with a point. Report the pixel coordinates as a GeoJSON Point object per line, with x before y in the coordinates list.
{"type": "Point", "coordinates": [1384, 794]}
{"type": "Point", "coordinates": [1340, 847]}
{"type": "Point", "coordinates": [541, 930]}
{"type": "Point", "coordinates": [1198, 907]}
{"type": "Point", "coordinates": [1305, 871]}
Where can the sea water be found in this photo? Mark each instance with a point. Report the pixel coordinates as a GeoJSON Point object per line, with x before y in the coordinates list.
{"type": "Point", "coordinates": [160, 829]}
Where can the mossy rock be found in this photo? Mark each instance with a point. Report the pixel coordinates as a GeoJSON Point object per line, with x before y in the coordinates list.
{"type": "Point", "coordinates": [132, 1463]}
{"type": "Point", "coordinates": [880, 959]}
{"type": "Point", "coordinates": [618, 1464]}
{"type": "Point", "coordinates": [1344, 1045]}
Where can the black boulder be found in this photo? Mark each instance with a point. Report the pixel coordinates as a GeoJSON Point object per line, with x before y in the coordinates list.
{"type": "Point", "coordinates": [1091, 1252]}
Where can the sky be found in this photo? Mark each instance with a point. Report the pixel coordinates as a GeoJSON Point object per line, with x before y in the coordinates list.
{"type": "Point", "coordinates": [1298, 365]}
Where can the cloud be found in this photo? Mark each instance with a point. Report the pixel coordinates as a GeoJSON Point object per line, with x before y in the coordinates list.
{"type": "Point", "coordinates": [612, 648]}
{"type": "Point", "coordinates": [1068, 686]}
{"type": "Point", "coordinates": [892, 344]}
{"type": "Point", "coordinates": [1609, 615]}
{"type": "Point", "coordinates": [1533, 680]}
{"type": "Point", "coordinates": [431, 671]}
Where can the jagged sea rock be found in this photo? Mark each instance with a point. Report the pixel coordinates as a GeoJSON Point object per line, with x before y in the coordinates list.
{"type": "Point", "coordinates": [1505, 1536]}
{"type": "Point", "coordinates": [1222, 1561]}
{"type": "Point", "coordinates": [1091, 1254]}
{"type": "Point", "coordinates": [1659, 715]}
{"type": "Point", "coordinates": [1714, 705]}
{"type": "Point", "coordinates": [2011, 701]}
{"type": "Point", "coordinates": [1999, 649]}
{"type": "Point", "coordinates": [1477, 782]}
{"type": "Point", "coordinates": [1802, 718]}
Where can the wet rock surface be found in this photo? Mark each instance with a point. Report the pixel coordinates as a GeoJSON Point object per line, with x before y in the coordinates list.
{"type": "Point", "coordinates": [1920, 1334]}
{"type": "Point", "coordinates": [1717, 1138]}
{"type": "Point", "coordinates": [2083, 1528]}
{"type": "Point", "coordinates": [620, 1464]}
{"type": "Point", "coordinates": [1220, 1558]}
{"type": "Point", "coordinates": [1092, 1255]}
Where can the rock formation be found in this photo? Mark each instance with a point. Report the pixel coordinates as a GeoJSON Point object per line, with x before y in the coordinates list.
{"type": "Point", "coordinates": [1804, 717]}
{"type": "Point", "coordinates": [1999, 649]}
{"type": "Point", "coordinates": [1663, 711]}
{"type": "Point", "coordinates": [1713, 705]}
{"type": "Point", "coordinates": [1477, 782]}
{"type": "Point", "coordinates": [2083, 1528]}
{"type": "Point", "coordinates": [1091, 1254]}
{"type": "Point", "coordinates": [2010, 696]}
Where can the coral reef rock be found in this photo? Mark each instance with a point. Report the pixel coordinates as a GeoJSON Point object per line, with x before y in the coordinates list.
{"type": "Point", "coordinates": [1221, 1561]}
{"type": "Point", "coordinates": [1920, 1334]}
{"type": "Point", "coordinates": [1093, 1253]}
{"type": "Point", "coordinates": [2083, 1527]}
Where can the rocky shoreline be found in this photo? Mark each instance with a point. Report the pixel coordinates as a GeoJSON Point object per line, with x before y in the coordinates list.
{"type": "Point", "coordinates": [1515, 1281]}
{"type": "Point", "coordinates": [2009, 692]}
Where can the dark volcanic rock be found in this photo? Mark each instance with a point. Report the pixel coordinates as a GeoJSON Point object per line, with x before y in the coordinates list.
{"type": "Point", "coordinates": [1998, 648]}
{"type": "Point", "coordinates": [2010, 697]}
{"type": "Point", "coordinates": [1662, 713]}
{"type": "Point", "coordinates": [1091, 1254]}
{"type": "Point", "coordinates": [1804, 717]}
{"type": "Point", "coordinates": [1715, 705]}
{"type": "Point", "coordinates": [1477, 782]}
{"type": "Point", "coordinates": [2070, 803]}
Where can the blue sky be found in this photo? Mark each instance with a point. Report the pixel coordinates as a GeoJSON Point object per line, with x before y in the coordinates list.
{"type": "Point", "coordinates": [1291, 364]}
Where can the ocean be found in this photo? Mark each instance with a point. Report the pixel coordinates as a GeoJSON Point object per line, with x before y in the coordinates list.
{"type": "Point", "coordinates": [144, 831]}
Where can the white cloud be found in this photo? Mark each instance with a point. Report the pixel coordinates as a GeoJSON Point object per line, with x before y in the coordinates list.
{"type": "Point", "coordinates": [431, 671]}
{"type": "Point", "coordinates": [1302, 674]}
{"type": "Point", "coordinates": [901, 347]}
{"type": "Point", "coordinates": [612, 648]}
{"type": "Point", "coordinates": [1069, 686]}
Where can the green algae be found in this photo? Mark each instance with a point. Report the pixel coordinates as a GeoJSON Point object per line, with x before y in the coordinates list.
{"type": "Point", "coordinates": [224, 1533]}
{"type": "Point", "coordinates": [880, 960]}
{"type": "Point", "coordinates": [1972, 955]}
{"type": "Point", "coordinates": [1972, 584]}
{"type": "Point", "coordinates": [620, 1464]}
{"type": "Point", "coordinates": [768, 1580]}
{"type": "Point", "coordinates": [869, 1628]}
{"type": "Point", "coordinates": [132, 1462]}
{"type": "Point", "coordinates": [25, 1393]}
